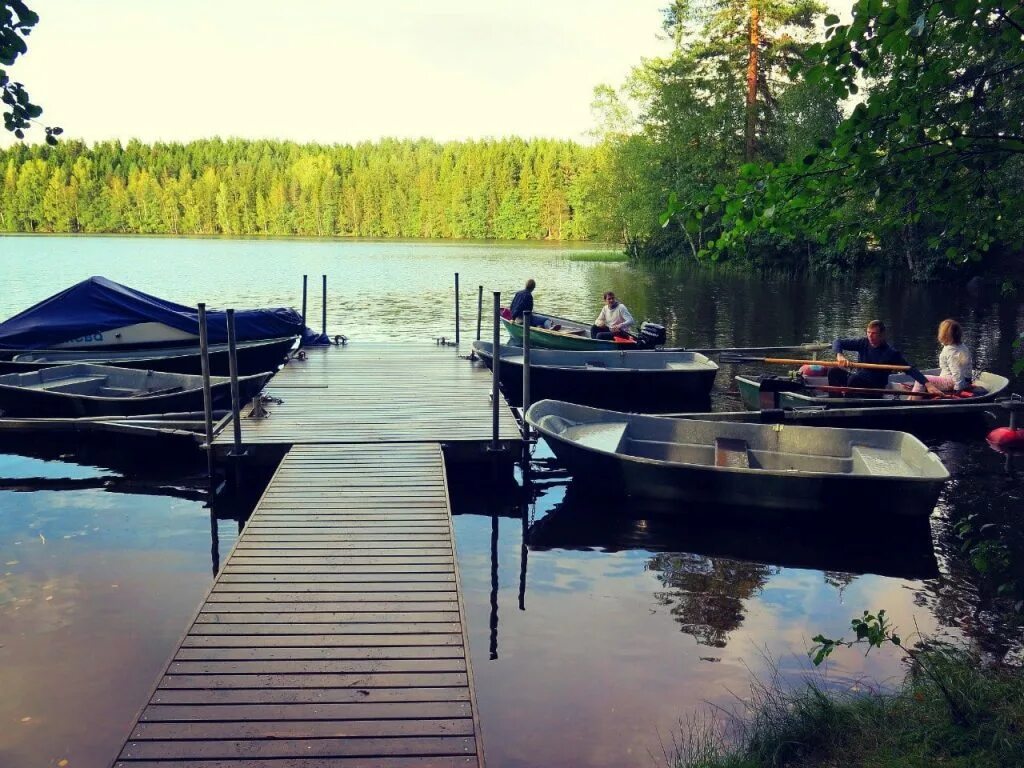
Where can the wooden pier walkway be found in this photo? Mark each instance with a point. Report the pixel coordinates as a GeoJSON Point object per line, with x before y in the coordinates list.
{"type": "Point", "coordinates": [334, 634]}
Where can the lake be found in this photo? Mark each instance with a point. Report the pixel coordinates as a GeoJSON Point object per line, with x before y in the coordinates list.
{"type": "Point", "coordinates": [591, 643]}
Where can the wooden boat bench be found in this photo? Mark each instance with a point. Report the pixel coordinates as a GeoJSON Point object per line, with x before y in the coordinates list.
{"type": "Point", "coordinates": [879, 461]}
{"type": "Point", "coordinates": [69, 385]}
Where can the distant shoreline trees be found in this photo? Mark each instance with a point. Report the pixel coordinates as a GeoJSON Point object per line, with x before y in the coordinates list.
{"type": "Point", "coordinates": [507, 189]}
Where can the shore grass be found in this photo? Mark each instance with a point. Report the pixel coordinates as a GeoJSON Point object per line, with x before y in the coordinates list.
{"type": "Point", "coordinates": [974, 719]}
{"type": "Point", "coordinates": [604, 256]}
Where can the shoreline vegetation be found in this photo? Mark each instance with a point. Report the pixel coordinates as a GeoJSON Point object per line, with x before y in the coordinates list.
{"type": "Point", "coordinates": [974, 719]}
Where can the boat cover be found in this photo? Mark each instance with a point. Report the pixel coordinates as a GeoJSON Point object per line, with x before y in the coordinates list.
{"type": "Point", "coordinates": [98, 304]}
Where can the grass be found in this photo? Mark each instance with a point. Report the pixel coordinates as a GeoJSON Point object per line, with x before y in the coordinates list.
{"type": "Point", "coordinates": [976, 722]}
{"type": "Point", "coordinates": [606, 256]}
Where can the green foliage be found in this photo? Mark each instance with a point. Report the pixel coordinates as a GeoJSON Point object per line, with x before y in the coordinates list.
{"type": "Point", "coordinates": [913, 727]}
{"type": "Point", "coordinates": [507, 189]}
{"type": "Point", "coordinates": [16, 23]}
{"type": "Point", "coordinates": [928, 164]}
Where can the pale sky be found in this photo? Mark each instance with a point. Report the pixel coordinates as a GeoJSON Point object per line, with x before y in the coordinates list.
{"type": "Point", "coordinates": [332, 72]}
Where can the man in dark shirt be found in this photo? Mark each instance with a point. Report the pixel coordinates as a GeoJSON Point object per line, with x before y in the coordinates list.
{"type": "Point", "coordinates": [523, 302]}
{"type": "Point", "coordinates": [871, 349]}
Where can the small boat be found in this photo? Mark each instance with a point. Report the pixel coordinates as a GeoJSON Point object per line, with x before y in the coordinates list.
{"type": "Point", "coordinates": [84, 389]}
{"type": "Point", "coordinates": [642, 381]}
{"type": "Point", "coordinates": [572, 335]}
{"type": "Point", "coordinates": [778, 466]}
{"type": "Point", "coordinates": [765, 392]}
{"type": "Point", "coordinates": [98, 313]}
{"type": "Point", "coordinates": [252, 356]}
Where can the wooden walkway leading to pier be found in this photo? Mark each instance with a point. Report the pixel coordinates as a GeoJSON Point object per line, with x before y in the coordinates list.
{"type": "Point", "coordinates": [334, 634]}
{"type": "Point", "coordinates": [374, 393]}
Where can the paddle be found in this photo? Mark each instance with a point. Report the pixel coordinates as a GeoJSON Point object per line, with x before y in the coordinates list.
{"type": "Point", "coordinates": [822, 363]}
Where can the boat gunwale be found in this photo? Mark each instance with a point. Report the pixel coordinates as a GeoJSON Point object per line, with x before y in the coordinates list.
{"type": "Point", "coordinates": [710, 365]}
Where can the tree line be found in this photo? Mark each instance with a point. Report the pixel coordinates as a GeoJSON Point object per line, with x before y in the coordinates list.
{"type": "Point", "coordinates": [509, 189]}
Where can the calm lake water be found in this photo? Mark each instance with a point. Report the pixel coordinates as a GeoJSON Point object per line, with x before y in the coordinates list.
{"type": "Point", "coordinates": [593, 640]}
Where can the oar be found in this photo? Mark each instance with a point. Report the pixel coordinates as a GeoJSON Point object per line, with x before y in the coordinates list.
{"type": "Point", "coordinates": [822, 363]}
{"type": "Point", "coordinates": [896, 392]}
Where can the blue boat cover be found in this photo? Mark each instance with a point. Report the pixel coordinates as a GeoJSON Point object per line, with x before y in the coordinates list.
{"type": "Point", "coordinates": [97, 305]}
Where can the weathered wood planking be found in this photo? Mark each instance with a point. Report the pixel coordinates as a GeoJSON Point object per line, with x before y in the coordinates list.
{"type": "Point", "coordinates": [333, 635]}
{"type": "Point", "coordinates": [379, 393]}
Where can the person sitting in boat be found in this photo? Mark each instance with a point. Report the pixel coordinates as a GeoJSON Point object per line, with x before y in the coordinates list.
{"type": "Point", "coordinates": [522, 302]}
{"type": "Point", "coordinates": [955, 364]}
{"type": "Point", "coordinates": [614, 320]}
{"type": "Point", "coordinates": [871, 349]}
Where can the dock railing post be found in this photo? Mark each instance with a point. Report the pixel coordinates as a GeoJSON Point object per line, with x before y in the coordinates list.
{"type": "Point", "coordinates": [495, 371]}
{"type": "Point", "coordinates": [204, 355]}
{"type": "Point", "coordinates": [527, 324]}
{"type": "Point", "coordinates": [479, 310]}
{"type": "Point", "coordinates": [236, 406]}
{"type": "Point", "coordinates": [458, 321]}
{"type": "Point", "coordinates": [325, 307]}
{"type": "Point", "coordinates": [305, 288]}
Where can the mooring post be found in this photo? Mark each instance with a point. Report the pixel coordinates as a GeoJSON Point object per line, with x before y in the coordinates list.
{"type": "Point", "coordinates": [305, 287]}
{"type": "Point", "coordinates": [527, 324]}
{"type": "Point", "coordinates": [204, 355]}
{"type": "Point", "coordinates": [325, 306]}
{"type": "Point", "coordinates": [458, 322]}
{"type": "Point", "coordinates": [479, 310]}
{"type": "Point", "coordinates": [236, 406]}
{"type": "Point", "coordinates": [495, 371]}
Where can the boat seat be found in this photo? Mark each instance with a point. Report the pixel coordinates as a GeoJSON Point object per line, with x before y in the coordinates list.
{"type": "Point", "coordinates": [880, 461]}
{"type": "Point", "coordinates": [732, 452]}
{"type": "Point", "coordinates": [690, 366]}
{"type": "Point", "coordinates": [72, 382]}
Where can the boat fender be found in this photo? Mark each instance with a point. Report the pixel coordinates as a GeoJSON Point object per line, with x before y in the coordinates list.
{"type": "Point", "coordinates": [813, 370]}
{"type": "Point", "coordinates": [1006, 439]}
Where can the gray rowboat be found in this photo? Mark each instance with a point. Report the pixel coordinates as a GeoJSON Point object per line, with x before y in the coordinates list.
{"type": "Point", "coordinates": [774, 466]}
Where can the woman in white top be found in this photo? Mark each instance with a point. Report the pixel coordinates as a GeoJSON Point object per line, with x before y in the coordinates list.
{"type": "Point", "coordinates": [613, 321]}
{"type": "Point", "coordinates": [955, 364]}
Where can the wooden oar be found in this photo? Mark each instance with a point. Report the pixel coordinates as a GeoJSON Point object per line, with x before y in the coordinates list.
{"type": "Point", "coordinates": [822, 363]}
{"type": "Point", "coordinates": [896, 392]}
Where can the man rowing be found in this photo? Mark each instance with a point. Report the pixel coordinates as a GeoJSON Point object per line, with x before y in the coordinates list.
{"type": "Point", "coordinates": [872, 349]}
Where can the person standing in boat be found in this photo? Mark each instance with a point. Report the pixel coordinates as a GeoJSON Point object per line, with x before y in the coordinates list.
{"type": "Point", "coordinates": [956, 368]}
{"type": "Point", "coordinates": [873, 349]}
{"type": "Point", "coordinates": [614, 320]}
{"type": "Point", "coordinates": [523, 302]}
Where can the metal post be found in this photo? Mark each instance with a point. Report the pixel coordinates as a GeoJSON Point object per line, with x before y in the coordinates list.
{"type": "Point", "coordinates": [305, 287]}
{"type": "Point", "coordinates": [495, 371]}
{"type": "Point", "coordinates": [236, 406]}
{"type": "Point", "coordinates": [204, 349]}
{"type": "Point", "coordinates": [527, 324]}
{"type": "Point", "coordinates": [325, 306]}
{"type": "Point", "coordinates": [457, 320]}
{"type": "Point", "coordinates": [479, 310]}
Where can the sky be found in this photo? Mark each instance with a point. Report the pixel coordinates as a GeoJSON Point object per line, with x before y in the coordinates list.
{"type": "Point", "coordinates": [339, 71]}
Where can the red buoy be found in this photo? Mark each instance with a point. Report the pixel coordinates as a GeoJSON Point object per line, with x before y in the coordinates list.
{"type": "Point", "coordinates": [1006, 439]}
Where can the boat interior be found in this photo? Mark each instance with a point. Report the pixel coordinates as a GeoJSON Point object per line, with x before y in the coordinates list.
{"type": "Point", "coordinates": [98, 381]}
{"type": "Point", "coordinates": [601, 360]}
{"type": "Point", "coordinates": [776, 448]}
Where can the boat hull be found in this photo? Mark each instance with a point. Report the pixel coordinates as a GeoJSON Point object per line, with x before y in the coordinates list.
{"type": "Point", "coordinates": [633, 389]}
{"type": "Point", "coordinates": [252, 357]}
{"type": "Point", "coordinates": [688, 484]}
{"type": "Point", "coordinates": [26, 402]}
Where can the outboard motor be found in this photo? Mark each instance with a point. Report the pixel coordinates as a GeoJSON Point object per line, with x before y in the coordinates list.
{"type": "Point", "coordinates": [652, 334]}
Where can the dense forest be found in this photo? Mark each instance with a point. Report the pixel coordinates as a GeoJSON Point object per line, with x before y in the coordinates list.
{"type": "Point", "coordinates": [771, 135]}
{"type": "Point", "coordinates": [507, 189]}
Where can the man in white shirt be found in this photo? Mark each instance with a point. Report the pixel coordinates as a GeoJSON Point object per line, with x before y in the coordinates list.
{"type": "Point", "coordinates": [613, 321]}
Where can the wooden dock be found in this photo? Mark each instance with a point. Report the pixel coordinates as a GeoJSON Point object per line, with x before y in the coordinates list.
{"type": "Point", "coordinates": [335, 632]}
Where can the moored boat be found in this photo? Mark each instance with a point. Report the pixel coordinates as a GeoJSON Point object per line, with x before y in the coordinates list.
{"type": "Point", "coordinates": [630, 380]}
{"type": "Point", "coordinates": [776, 466]}
{"type": "Point", "coordinates": [252, 357]}
{"type": "Point", "coordinates": [766, 392]}
{"type": "Point", "coordinates": [572, 335]}
{"type": "Point", "coordinates": [84, 389]}
{"type": "Point", "coordinates": [98, 313]}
